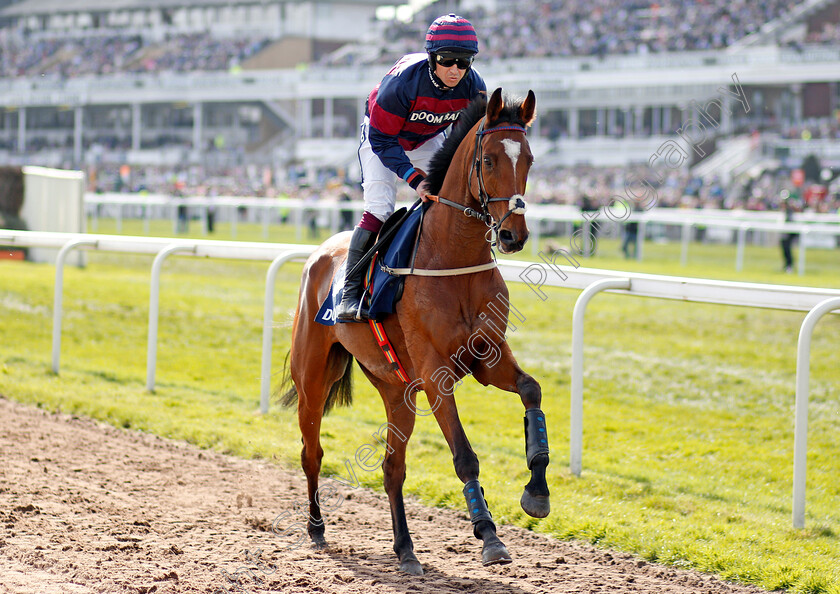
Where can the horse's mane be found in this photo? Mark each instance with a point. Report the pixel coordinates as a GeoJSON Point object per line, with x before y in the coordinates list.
{"type": "Point", "coordinates": [469, 117]}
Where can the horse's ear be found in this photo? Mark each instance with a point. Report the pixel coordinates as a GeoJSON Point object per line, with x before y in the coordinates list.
{"type": "Point", "coordinates": [528, 111]}
{"type": "Point", "coordinates": [495, 105]}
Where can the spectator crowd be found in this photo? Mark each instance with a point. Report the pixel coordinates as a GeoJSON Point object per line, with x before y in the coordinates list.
{"type": "Point", "coordinates": [679, 189]}
{"type": "Point", "coordinates": [23, 55]}
{"type": "Point", "coordinates": [553, 28]}
{"type": "Point", "coordinates": [548, 28]}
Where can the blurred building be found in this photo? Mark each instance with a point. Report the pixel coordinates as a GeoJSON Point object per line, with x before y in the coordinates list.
{"type": "Point", "coordinates": [282, 84]}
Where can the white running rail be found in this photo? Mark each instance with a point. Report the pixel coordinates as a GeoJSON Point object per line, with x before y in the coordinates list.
{"type": "Point", "coordinates": [816, 301]}
{"type": "Point", "coordinates": [161, 247]}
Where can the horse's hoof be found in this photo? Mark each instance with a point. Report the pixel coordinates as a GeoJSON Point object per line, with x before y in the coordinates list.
{"type": "Point", "coordinates": [495, 554]}
{"type": "Point", "coordinates": [411, 566]}
{"type": "Point", "coordinates": [535, 506]}
{"type": "Point", "coordinates": [319, 543]}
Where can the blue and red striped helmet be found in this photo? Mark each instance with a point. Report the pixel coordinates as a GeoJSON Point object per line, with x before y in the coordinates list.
{"type": "Point", "coordinates": [451, 33]}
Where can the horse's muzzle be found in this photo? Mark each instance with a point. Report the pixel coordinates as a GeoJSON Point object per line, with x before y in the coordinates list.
{"type": "Point", "coordinates": [510, 242]}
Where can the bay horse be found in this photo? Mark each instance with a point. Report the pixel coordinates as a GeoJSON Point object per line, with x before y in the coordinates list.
{"type": "Point", "coordinates": [443, 328]}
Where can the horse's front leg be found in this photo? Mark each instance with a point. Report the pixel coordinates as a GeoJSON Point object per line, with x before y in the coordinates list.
{"type": "Point", "coordinates": [493, 550]}
{"type": "Point", "coordinates": [503, 372]}
{"type": "Point", "coordinates": [399, 428]}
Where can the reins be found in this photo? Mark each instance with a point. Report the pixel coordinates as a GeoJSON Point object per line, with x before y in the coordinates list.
{"type": "Point", "coordinates": [412, 271]}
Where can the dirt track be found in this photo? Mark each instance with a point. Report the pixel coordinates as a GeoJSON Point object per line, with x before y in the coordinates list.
{"type": "Point", "coordinates": [86, 507]}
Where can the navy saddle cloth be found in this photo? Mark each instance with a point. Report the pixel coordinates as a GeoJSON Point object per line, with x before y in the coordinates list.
{"type": "Point", "coordinates": [387, 288]}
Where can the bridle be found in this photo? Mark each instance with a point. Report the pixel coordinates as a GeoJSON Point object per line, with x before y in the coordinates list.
{"type": "Point", "coordinates": [516, 204]}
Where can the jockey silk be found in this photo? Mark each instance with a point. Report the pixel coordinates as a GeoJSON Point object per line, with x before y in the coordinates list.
{"type": "Point", "coordinates": [406, 109]}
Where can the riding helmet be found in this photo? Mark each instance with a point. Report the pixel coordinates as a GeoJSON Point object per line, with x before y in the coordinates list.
{"type": "Point", "coordinates": [452, 36]}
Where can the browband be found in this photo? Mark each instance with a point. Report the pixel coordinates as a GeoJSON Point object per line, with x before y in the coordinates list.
{"type": "Point", "coordinates": [482, 132]}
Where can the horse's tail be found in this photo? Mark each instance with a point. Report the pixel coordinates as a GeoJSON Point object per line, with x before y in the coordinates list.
{"type": "Point", "coordinates": [341, 392]}
{"type": "Point", "coordinates": [287, 390]}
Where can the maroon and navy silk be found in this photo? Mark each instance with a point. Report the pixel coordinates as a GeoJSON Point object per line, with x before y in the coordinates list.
{"type": "Point", "coordinates": [406, 109]}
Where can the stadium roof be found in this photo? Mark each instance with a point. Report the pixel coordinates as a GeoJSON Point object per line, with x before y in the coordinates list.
{"type": "Point", "coordinates": [35, 7]}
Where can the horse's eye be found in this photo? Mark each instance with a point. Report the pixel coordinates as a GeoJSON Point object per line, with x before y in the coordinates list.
{"type": "Point", "coordinates": [488, 162]}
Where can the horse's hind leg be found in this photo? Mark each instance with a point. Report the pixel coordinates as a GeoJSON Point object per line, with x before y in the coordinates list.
{"type": "Point", "coordinates": [506, 374]}
{"type": "Point", "coordinates": [310, 459]}
{"type": "Point", "coordinates": [314, 374]}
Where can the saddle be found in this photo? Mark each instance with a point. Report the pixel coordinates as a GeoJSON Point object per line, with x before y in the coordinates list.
{"type": "Point", "coordinates": [396, 247]}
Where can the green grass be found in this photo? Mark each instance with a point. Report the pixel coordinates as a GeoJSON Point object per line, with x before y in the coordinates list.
{"type": "Point", "coordinates": [688, 426]}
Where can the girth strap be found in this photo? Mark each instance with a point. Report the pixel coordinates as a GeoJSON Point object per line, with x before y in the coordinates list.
{"type": "Point", "coordinates": [441, 272]}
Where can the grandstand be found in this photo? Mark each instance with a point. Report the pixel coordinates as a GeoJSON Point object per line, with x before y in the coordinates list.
{"type": "Point", "coordinates": [279, 86]}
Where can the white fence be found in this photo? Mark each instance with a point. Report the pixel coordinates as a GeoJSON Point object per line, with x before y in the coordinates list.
{"type": "Point", "coordinates": [812, 228]}
{"type": "Point", "coordinates": [817, 302]}
{"type": "Point", "coordinates": [276, 253]}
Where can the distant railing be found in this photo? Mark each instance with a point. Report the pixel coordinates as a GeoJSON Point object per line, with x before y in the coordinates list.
{"type": "Point", "coordinates": [740, 222]}
{"type": "Point", "coordinates": [817, 302]}
{"type": "Point", "coordinates": [161, 247]}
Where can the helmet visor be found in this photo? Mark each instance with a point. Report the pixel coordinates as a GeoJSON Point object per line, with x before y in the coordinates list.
{"type": "Point", "coordinates": [454, 53]}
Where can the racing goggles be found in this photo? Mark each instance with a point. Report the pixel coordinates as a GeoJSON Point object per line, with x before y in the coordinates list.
{"type": "Point", "coordinates": [462, 63]}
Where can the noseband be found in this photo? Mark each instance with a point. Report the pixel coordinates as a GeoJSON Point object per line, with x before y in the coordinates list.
{"type": "Point", "coordinates": [516, 204]}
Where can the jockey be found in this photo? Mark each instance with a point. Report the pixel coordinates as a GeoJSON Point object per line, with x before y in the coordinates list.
{"type": "Point", "coordinates": [405, 117]}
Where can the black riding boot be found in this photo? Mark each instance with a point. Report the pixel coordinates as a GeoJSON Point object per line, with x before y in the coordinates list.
{"type": "Point", "coordinates": [349, 310]}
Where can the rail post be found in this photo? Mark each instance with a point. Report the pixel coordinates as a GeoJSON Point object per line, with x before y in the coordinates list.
{"type": "Point", "coordinates": [58, 305]}
{"type": "Point", "coordinates": [576, 422]}
{"type": "Point", "coordinates": [268, 316]}
{"type": "Point", "coordinates": [800, 432]}
{"type": "Point", "coordinates": [154, 303]}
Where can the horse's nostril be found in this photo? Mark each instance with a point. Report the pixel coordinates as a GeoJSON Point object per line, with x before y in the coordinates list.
{"type": "Point", "coordinates": [506, 236]}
